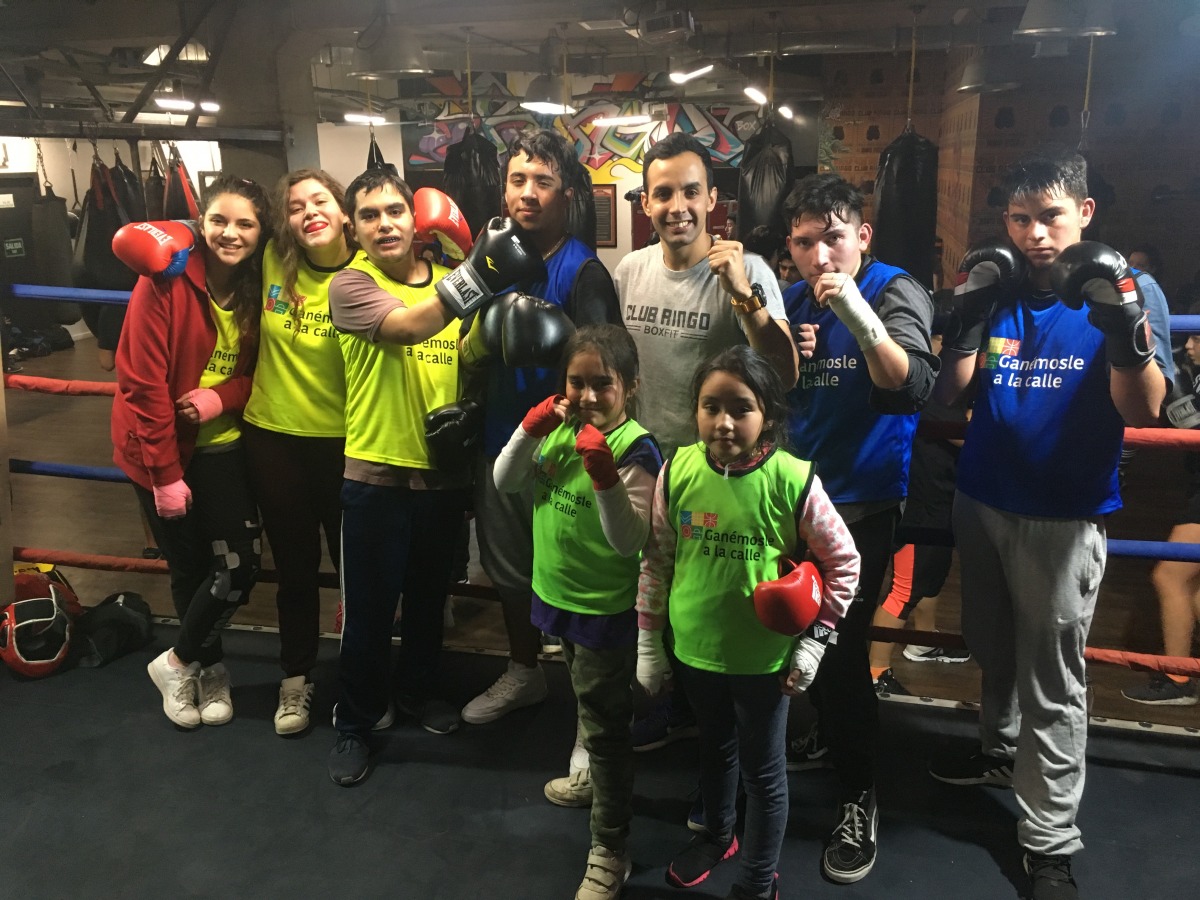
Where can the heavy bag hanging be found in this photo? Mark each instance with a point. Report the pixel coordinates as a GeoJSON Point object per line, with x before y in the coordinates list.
{"type": "Point", "coordinates": [906, 206]}
{"type": "Point", "coordinates": [156, 188]}
{"type": "Point", "coordinates": [129, 189]}
{"type": "Point", "coordinates": [179, 198]}
{"type": "Point", "coordinates": [96, 265]}
{"type": "Point", "coordinates": [52, 251]}
{"type": "Point", "coordinates": [472, 178]}
{"type": "Point", "coordinates": [581, 212]}
{"type": "Point", "coordinates": [765, 178]}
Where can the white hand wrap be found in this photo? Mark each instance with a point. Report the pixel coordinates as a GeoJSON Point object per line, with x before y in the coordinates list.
{"type": "Point", "coordinates": [856, 314]}
{"type": "Point", "coordinates": [653, 667]}
{"type": "Point", "coordinates": [806, 659]}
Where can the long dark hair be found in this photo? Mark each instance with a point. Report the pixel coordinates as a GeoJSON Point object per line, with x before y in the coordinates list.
{"type": "Point", "coordinates": [750, 368]}
{"type": "Point", "coordinates": [246, 280]}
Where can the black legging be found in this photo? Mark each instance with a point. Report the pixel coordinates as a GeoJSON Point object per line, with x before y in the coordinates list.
{"type": "Point", "coordinates": [213, 552]}
{"type": "Point", "coordinates": [298, 483]}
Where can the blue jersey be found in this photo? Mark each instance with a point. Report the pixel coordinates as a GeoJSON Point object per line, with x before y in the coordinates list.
{"type": "Point", "coordinates": [1045, 437]}
{"type": "Point", "coordinates": [512, 391]}
{"type": "Point", "coordinates": [862, 456]}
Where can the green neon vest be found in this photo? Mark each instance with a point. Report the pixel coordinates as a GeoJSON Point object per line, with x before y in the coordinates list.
{"type": "Point", "coordinates": [731, 533]}
{"type": "Point", "coordinates": [574, 567]}
{"type": "Point", "coordinates": [390, 387]}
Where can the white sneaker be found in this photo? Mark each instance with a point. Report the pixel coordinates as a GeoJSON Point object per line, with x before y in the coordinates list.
{"type": "Point", "coordinates": [579, 755]}
{"type": "Point", "coordinates": [606, 874]}
{"type": "Point", "coordinates": [517, 687]}
{"type": "Point", "coordinates": [216, 706]}
{"type": "Point", "coordinates": [178, 689]}
{"type": "Point", "coordinates": [295, 697]}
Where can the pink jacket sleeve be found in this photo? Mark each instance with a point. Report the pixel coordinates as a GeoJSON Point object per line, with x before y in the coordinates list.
{"type": "Point", "coordinates": [829, 540]}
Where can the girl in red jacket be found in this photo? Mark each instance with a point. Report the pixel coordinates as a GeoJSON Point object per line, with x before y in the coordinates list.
{"type": "Point", "coordinates": [183, 377]}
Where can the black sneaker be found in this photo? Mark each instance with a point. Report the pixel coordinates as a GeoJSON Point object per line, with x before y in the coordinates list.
{"type": "Point", "coordinates": [664, 724]}
{"type": "Point", "coordinates": [435, 715]}
{"type": "Point", "coordinates": [1050, 877]}
{"type": "Point", "coordinates": [1163, 691]}
{"type": "Point", "coordinates": [349, 759]}
{"type": "Point", "coordinates": [850, 853]}
{"type": "Point", "coordinates": [699, 858]}
{"type": "Point", "coordinates": [888, 685]}
{"type": "Point", "coordinates": [808, 752]}
{"type": "Point", "coordinates": [978, 768]}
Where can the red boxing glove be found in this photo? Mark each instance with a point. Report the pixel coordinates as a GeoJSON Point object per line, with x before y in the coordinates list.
{"type": "Point", "coordinates": [438, 218]}
{"type": "Point", "coordinates": [598, 460]}
{"type": "Point", "coordinates": [790, 603]}
{"type": "Point", "coordinates": [206, 401]}
{"type": "Point", "coordinates": [543, 418]}
{"type": "Point", "coordinates": [171, 501]}
{"type": "Point", "coordinates": [156, 249]}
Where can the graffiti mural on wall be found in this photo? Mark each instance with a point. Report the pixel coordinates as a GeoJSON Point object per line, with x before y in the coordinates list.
{"type": "Point", "coordinates": [610, 151]}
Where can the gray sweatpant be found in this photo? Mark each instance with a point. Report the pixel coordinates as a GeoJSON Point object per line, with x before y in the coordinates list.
{"type": "Point", "coordinates": [504, 530]}
{"type": "Point", "coordinates": [1029, 589]}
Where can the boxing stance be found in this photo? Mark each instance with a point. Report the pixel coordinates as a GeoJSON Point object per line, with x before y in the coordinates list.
{"type": "Point", "coordinates": [1060, 357]}
{"type": "Point", "coordinates": [183, 366]}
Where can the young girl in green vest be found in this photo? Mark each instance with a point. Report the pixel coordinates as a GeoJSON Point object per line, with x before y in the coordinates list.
{"type": "Point", "coordinates": [727, 510]}
{"type": "Point", "coordinates": [594, 469]}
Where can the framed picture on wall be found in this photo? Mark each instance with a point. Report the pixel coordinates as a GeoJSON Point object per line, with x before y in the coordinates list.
{"type": "Point", "coordinates": [606, 214]}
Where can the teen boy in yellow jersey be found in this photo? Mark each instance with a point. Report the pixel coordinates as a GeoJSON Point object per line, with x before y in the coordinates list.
{"type": "Point", "coordinates": [401, 361]}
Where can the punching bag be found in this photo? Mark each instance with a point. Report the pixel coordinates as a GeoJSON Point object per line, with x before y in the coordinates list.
{"type": "Point", "coordinates": [765, 178]}
{"type": "Point", "coordinates": [472, 178]}
{"type": "Point", "coordinates": [179, 198]}
{"type": "Point", "coordinates": [129, 190]}
{"type": "Point", "coordinates": [906, 206]}
{"type": "Point", "coordinates": [52, 251]}
{"type": "Point", "coordinates": [96, 266]}
{"type": "Point", "coordinates": [156, 188]}
{"type": "Point", "coordinates": [581, 213]}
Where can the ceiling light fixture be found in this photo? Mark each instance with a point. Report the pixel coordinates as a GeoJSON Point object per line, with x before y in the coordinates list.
{"type": "Point", "coordinates": [755, 94]}
{"type": "Point", "coordinates": [549, 95]}
{"type": "Point", "coordinates": [170, 97]}
{"type": "Point", "coordinates": [785, 111]}
{"type": "Point", "coordinates": [988, 72]}
{"type": "Point", "coordinates": [681, 77]}
{"type": "Point", "coordinates": [610, 121]}
{"type": "Point", "coordinates": [396, 51]}
{"type": "Point", "coordinates": [1067, 19]}
{"type": "Point", "coordinates": [358, 118]}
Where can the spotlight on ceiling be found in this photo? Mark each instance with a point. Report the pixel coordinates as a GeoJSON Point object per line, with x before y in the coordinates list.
{"type": "Point", "coordinates": [1067, 19]}
{"type": "Point", "coordinates": [785, 111]}
{"type": "Point", "coordinates": [358, 118]}
{"type": "Point", "coordinates": [170, 97]}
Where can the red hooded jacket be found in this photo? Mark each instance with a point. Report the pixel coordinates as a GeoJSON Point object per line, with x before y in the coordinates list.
{"type": "Point", "coordinates": [167, 340]}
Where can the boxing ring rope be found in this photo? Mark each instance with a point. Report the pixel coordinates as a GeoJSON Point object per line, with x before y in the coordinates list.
{"type": "Point", "coordinates": [1134, 437]}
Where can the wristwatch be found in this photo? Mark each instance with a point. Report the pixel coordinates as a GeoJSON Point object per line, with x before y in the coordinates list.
{"type": "Point", "coordinates": [752, 304]}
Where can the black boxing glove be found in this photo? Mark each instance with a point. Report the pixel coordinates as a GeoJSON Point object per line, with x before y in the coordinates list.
{"type": "Point", "coordinates": [985, 277]}
{"type": "Point", "coordinates": [535, 333]}
{"type": "Point", "coordinates": [1180, 404]}
{"type": "Point", "coordinates": [482, 330]}
{"type": "Point", "coordinates": [452, 433]}
{"type": "Point", "coordinates": [1096, 274]}
{"type": "Point", "coordinates": [503, 255]}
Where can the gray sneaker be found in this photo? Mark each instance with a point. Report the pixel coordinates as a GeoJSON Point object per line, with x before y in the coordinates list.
{"type": "Point", "coordinates": [178, 689]}
{"type": "Point", "coordinates": [978, 768]}
{"type": "Point", "coordinates": [516, 688]}
{"type": "Point", "coordinates": [1163, 691]}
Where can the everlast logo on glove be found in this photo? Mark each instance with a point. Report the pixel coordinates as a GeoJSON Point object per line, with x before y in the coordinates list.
{"type": "Point", "coordinates": [467, 292]}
